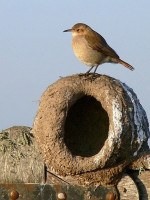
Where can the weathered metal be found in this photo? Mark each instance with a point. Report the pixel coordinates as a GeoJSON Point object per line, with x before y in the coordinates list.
{"type": "Point", "coordinates": [134, 186]}
{"type": "Point", "coordinates": [53, 192]}
{"type": "Point", "coordinates": [110, 196]}
{"type": "Point", "coordinates": [61, 196]}
{"type": "Point", "coordinates": [13, 194]}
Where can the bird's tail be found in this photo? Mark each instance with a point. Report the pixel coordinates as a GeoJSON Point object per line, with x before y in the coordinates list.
{"type": "Point", "coordinates": [125, 64]}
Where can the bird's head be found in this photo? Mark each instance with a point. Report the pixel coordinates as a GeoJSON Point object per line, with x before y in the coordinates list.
{"type": "Point", "coordinates": [79, 29]}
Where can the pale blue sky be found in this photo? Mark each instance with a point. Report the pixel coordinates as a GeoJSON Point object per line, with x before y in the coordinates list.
{"type": "Point", "coordinates": [34, 51]}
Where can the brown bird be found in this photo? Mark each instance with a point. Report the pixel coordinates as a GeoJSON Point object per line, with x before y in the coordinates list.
{"type": "Point", "coordinates": [91, 48]}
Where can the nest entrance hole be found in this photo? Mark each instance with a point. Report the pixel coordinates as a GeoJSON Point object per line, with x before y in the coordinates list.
{"type": "Point", "coordinates": [86, 127]}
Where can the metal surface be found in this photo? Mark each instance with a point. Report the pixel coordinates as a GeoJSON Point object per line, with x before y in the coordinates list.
{"type": "Point", "coordinates": [50, 192]}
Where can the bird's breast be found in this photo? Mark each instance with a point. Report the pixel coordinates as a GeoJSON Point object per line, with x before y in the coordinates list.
{"type": "Point", "coordinates": [84, 52]}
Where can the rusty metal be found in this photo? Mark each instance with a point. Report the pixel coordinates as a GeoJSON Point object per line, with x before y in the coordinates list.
{"type": "Point", "coordinates": [61, 196]}
{"type": "Point", "coordinates": [110, 196]}
{"type": "Point", "coordinates": [50, 192]}
{"type": "Point", "coordinates": [13, 194]}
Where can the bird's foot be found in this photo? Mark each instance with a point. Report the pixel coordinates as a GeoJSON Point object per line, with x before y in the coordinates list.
{"type": "Point", "coordinates": [87, 74]}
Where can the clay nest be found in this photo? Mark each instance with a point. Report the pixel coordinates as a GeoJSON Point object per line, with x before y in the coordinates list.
{"type": "Point", "coordinates": [90, 128]}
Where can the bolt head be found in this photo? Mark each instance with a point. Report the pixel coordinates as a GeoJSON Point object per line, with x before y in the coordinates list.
{"type": "Point", "coordinates": [110, 196]}
{"type": "Point", "coordinates": [13, 194]}
{"type": "Point", "coordinates": [61, 196]}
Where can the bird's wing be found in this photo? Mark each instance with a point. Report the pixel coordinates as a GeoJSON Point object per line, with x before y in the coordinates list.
{"type": "Point", "coordinates": [98, 43]}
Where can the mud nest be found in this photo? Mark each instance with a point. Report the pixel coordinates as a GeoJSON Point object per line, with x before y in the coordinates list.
{"type": "Point", "coordinates": [83, 126]}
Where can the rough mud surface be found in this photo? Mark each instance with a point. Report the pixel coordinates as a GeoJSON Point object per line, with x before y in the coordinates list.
{"type": "Point", "coordinates": [21, 161]}
{"type": "Point", "coordinates": [89, 128]}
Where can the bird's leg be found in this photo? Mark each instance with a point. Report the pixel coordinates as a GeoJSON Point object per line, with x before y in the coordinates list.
{"type": "Point", "coordinates": [89, 70]}
{"type": "Point", "coordinates": [95, 70]}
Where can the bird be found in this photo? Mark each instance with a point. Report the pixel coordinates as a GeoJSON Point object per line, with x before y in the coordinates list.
{"type": "Point", "coordinates": [92, 49]}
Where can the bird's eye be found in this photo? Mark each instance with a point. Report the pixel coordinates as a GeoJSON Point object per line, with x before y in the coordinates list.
{"type": "Point", "coordinates": [78, 30]}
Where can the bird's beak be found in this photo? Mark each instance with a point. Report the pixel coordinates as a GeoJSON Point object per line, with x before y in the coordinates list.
{"type": "Point", "coordinates": [68, 30]}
